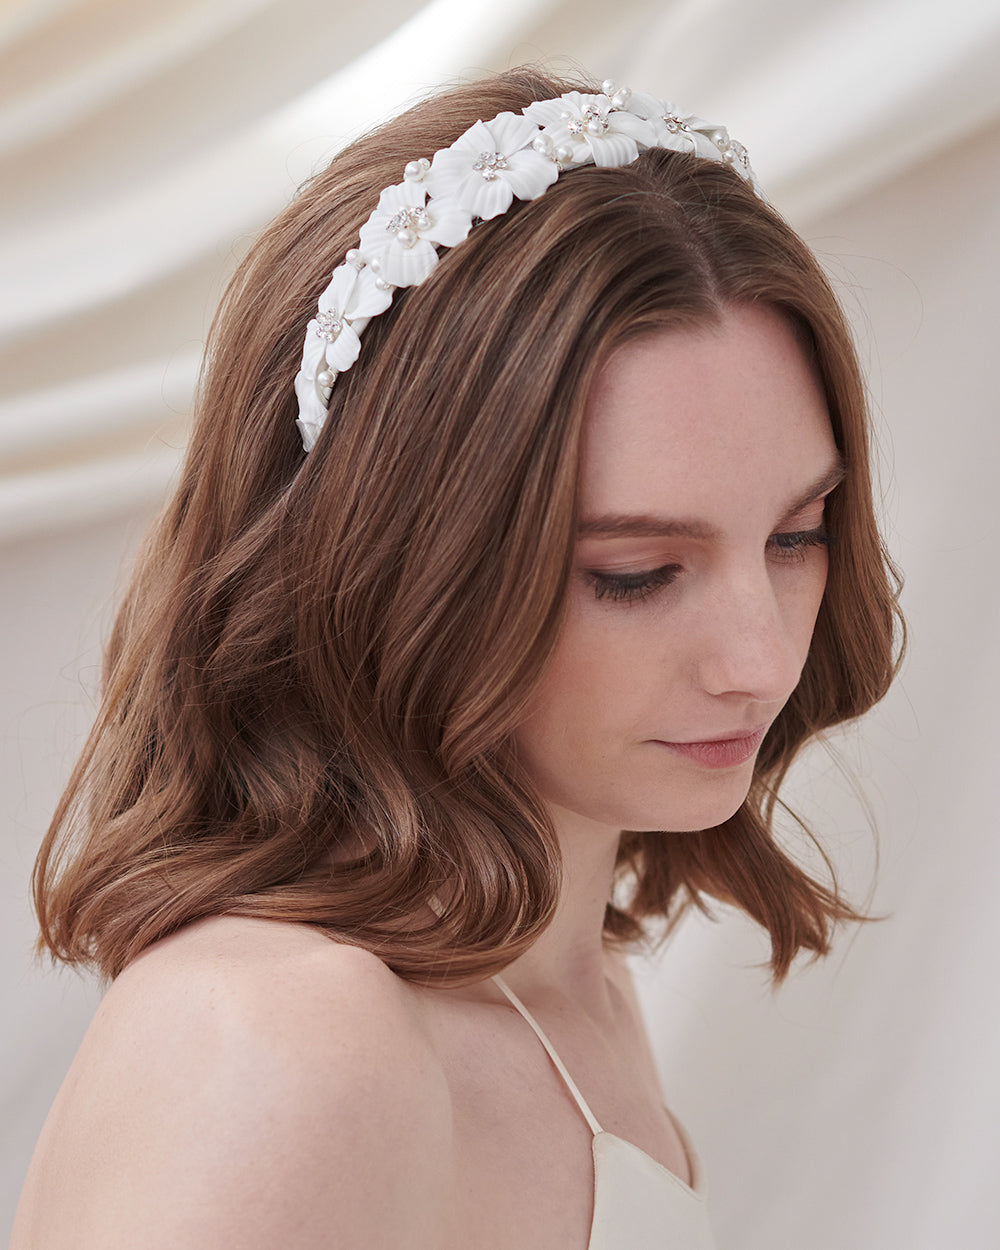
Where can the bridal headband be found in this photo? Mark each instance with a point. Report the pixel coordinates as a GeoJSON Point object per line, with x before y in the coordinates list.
{"type": "Point", "coordinates": [477, 178]}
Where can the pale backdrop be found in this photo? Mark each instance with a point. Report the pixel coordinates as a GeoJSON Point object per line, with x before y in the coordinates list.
{"type": "Point", "coordinates": [141, 146]}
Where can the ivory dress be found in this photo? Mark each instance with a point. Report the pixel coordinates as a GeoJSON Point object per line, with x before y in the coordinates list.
{"type": "Point", "coordinates": [638, 1203]}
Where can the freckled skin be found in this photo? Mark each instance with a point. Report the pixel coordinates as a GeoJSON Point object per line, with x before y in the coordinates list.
{"type": "Point", "coordinates": [726, 426]}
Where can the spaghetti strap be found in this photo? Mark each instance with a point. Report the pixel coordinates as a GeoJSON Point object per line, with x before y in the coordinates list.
{"type": "Point", "coordinates": [578, 1098]}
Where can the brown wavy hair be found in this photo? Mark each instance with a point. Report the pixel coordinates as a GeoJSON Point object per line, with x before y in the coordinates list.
{"type": "Point", "coordinates": [311, 685]}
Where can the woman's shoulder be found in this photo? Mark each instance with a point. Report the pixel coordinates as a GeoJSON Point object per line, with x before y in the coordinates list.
{"type": "Point", "coordinates": [247, 1080]}
{"type": "Point", "coordinates": [231, 990]}
{"type": "Point", "coordinates": [235, 965]}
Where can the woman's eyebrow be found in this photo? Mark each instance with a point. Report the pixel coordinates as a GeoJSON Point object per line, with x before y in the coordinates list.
{"type": "Point", "coordinates": [644, 525]}
{"type": "Point", "coordinates": [621, 525]}
{"type": "Point", "coordinates": [825, 483]}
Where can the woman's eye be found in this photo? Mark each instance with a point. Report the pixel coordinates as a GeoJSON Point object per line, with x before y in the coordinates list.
{"type": "Point", "coordinates": [631, 587]}
{"type": "Point", "coordinates": [792, 545]}
{"type": "Point", "coordinates": [634, 587]}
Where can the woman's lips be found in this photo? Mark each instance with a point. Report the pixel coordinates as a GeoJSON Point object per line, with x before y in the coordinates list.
{"type": "Point", "coordinates": [719, 752]}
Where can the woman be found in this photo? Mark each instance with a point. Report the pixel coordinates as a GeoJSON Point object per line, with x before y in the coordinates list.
{"type": "Point", "coordinates": [502, 673]}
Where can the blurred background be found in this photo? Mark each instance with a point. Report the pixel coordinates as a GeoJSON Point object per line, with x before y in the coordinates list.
{"type": "Point", "coordinates": [142, 146]}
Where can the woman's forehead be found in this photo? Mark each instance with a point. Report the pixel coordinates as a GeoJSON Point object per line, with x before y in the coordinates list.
{"type": "Point", "coordinates": [685, 414]}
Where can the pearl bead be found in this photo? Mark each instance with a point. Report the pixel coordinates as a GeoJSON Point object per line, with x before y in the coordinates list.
{"type": "Point", "coordinates": [720, 138]}
{"type": "Point", "coordinates": [325, 378]}
{"type": "Point", "coordinates": [608, 87]}
{"type": "Point", "coordinates": [375, 265]}
{"type": "Point", "coordinates": [355, 258]}
{"type": "Point", "coordinates": [415, 170]}
{"type": "Point", "coordinates": [406, 237]}
{"type": "Point", "coordinates": [622, 98]}
{"type": "Point", "coordinates": [563, 155]}
{"type": "Point", "coordinates": [383, 285]}
{"type": "Point", "coordinates": [543, 145]}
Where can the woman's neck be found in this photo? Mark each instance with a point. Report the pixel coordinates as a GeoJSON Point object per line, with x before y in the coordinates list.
{"type": "Point", "coordinates": [570, 958]}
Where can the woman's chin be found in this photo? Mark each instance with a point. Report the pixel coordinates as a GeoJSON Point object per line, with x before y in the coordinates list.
{"type": "Point", "coordinates": [698, 812]}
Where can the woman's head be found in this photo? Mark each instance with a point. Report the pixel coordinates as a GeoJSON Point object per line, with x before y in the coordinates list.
{"type": "Point", "coordinates": [314, 686]}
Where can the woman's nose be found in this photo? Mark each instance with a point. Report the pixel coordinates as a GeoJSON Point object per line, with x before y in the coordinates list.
{"type": "Point", "coordinates": [754, 641]}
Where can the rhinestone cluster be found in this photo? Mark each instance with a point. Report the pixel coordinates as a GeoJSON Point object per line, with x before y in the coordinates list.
{"type": "Point", "coordinates": [489, 163]}
{"type": "Point", "coordinates": [734, 153]}
{"type": "Point", "coordinates": [329, 325]}
{"type": "Point", "coordinates": [594, 121]}
{"type": "Point", "coordinates": [408, 219]}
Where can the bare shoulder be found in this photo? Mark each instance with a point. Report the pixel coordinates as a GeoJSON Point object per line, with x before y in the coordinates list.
{"type": "Point", "coordinates": [246, 1083]}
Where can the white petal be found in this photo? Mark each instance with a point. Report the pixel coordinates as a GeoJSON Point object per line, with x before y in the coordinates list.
{"type": "Point", "coordinates": [636, 128]}
{"type": "Point", "coordinates": [407, 266]}
{"type": "Point", "coordinates": [312, 351]}
{"type": "Point", "coordinates": [677, 141]}
{"type": "Point", "coordinates": [511, 132]}
{"type": "Point", "coordinates": [530, 174]}
{"type": "Point", "coordinates": [338, 293]}
{"type": "Point", "coordinates": [475, 140]}
{"type": "Point", "coordinates": [343, 351]}
{"type": "Point", "coordinates": [310, 432]}
{"type": "Point", "coordinates": [549, 112]}
{"type": "Point", "coordinates": [488, 199]}
{"type": "Point", "coordinates": [367, 299]}
{"type": "Point", "coordinates": [660, 132]}
{"type": "Point", "coordinates": [701, 145]}
{"type": "Point", "coordinates": [561, 135]}
{"type": "Point", "coordinates": [450, 224]}
{"type": "Point", "coordinates": [449, 173]}
{"type": "Point", "coordinates": [402, 195]}
{"type": "Point", "coordinates": [581, 153]}
{"type": "Point", "coordinates": [644, 105]}
{"type": "Point", "coordinates": [375, 238]}
{"type": "Point", "coordinates": [612, 149]}
{"type": "Point", "coordinates": [312, 405]}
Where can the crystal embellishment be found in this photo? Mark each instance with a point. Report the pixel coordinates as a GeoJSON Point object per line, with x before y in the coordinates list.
{"type": "Point", "coordinates": [329, 325]}
{"type": "Point", "coordinates": [408, 219]}
{"type": "Point", "coordinates": [675, 123]}
{"type": "Point", "coordinates": [593, 121]}
{"type": "Point", "coordinates": [489, 164]}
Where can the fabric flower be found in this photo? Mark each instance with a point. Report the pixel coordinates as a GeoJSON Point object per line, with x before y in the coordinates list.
{"type": "Point", "coordinates": [351, 296]}
{"type": "Point", "coordinates": [332, 343]}
{"type": "Point", "coordinates": [313, 396]}
{"type": "Point", "coordinates": [492, 162]}
{"type": "Point", "coordinates": [591, 129]}
{"type": "Point", "coordinates": [684, 132]}
{"type": "Point", "coordinates": [398, 238]}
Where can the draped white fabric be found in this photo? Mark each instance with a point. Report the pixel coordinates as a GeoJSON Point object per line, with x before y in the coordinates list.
{"type": "Point", "coordinates": [140, 145]}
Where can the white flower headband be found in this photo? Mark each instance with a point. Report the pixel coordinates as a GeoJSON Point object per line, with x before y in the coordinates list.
{"type": "Point", "coordinates": [478, 177]}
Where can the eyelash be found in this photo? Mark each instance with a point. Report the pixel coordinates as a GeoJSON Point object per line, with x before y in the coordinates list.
{"type": "Point", "coordinates": [633, 587]}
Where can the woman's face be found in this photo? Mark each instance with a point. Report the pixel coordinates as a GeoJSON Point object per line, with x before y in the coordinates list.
{"type": "Point", "coordinates": [700, 564]}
